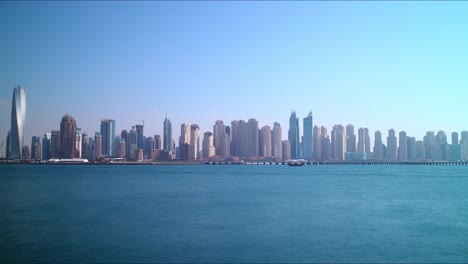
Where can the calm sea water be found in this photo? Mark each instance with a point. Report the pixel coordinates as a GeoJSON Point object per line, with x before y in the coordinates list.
{"type": "Point", "coordinates": [264, 213]}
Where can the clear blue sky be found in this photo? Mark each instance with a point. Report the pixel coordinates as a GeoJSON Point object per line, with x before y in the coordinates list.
{"type": "Point", "coordinates": [381, 65]}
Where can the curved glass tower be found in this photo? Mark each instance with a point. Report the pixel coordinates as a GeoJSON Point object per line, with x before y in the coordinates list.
{"type": "Point", "coordinates": [18, 117]}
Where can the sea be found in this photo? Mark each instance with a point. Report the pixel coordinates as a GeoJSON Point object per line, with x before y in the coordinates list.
{"type": "Point", "coordinates": [233, 214]}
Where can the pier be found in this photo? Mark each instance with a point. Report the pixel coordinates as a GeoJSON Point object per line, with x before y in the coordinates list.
{"type": "Point", "coordinates": [350, 163]}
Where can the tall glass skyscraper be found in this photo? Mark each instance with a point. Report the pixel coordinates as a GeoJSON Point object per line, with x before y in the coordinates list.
{"type": "Point", "coordinates": [140, 140]}
{"type": "Point", "coordinates": [293, 135]}
{"type": "Point", "coordinates": [108, 136]}
{"type": "Point", "coordinates": [18, 118]}
{"type": "Point", "coordinates": [308, 134]}
{"type": "Point", "coordinates": [167, 145]}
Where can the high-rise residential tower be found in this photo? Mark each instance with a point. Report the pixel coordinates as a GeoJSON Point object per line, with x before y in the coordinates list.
{"type": "Point", "coordinates": [293, 135]}
{"type": "Point", "coordinates": [464, 144]}
{"type": "Point", "coordinates": [208, 147]}
{"type": "Point", "coordinates": [36, 151]}
{"type": "Point", "coordinates": [442, 147]}
{"type": "Point", "coordinates": [317, 143]}
{"type": "Point", "coordinates": [54, 144]}
{"type": "Point", "coordinates": [307, 143]}
{"type": "Point", "coordinates": [78, 142]}
{"type": "Point", "coordinates": [85, 146]}
{"type": "Point", "coordinates": [220, 139]}
{"type": "Point", "coordinates": [265, 142]}
{"type": "Point", "coordinates": [350, 139]}
{"type": "Point", "coordinates": [402, 146]}
{"type": "Point", "coordinates": [157, 142]}
{"type": "Point", "coordinates": [276, 139]}
{"type": "Point", "coordinates": [108, 136]}
{"type": "Point", "coordinates": [245, 138]}
{"type": "Point", "coordinates": [68, 138]}
{"type": "Point", "coordinates": [325, 142]}
{"type": "Point", "coordinates": [338, 142]}
{"type": "Point", "coordinates": [391, 145]}
{"type": "Point", "coordinates": [194, 147]}
{"type": "Point", "coordinates": [456, 153]}
{"type": "Point", "coordinates": [430, 145]}
{"type": "Point", "coordinates": [184, 141]}
{"type": "Point", "coordinates": [18, 119]}
{"type": "Point", "coordinates": [97, 145]}
{"type": "Point", "coordinates": [132, 144]}
{"type": "Point", "coordinates": [378, 146]}
{"type": "Point", "coordinates": [46, 146]}
{"type": "Point", "coordinates": [286, 147]}
{"type": "Point", "coordinates": [411, 146]}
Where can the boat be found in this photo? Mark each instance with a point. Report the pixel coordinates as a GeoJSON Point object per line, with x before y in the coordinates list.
{"type": "Point", "coordinates": [296, 163]}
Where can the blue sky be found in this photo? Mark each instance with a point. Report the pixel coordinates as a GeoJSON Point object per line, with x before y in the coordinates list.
{"type": "Point", "coordinates": [380, 65]}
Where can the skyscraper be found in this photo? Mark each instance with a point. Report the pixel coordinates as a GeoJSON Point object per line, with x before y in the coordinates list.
{"type": "Point", "coordinates": [85, 146]}
{"type": "Point", "coordinates": [367, 142]}
{"type": "Point", "coordinates": [293, 135]}
{"type": "Point", "coordinates": [265, 142]}
{"type": "Point", "coordinates": [464, 144]}
{"type": "Point", "coordinates": [227, 146]}
{"type": "Point", "coordinates": [325, 144]}
{"type": "Point", "coordinates": [46, 146]}
{"type": "Point", "coordinates": [132, 144]}
{"type": "Point", "coordinates": [420, 151]}
{"type": "Point", "coordinates": [26, 153]}
{"type": "Point", "coordinates": [286, 147]}
{"type": "Point", "coordinates": [194, 147]}
{"type": "Point", "coordinates": [245, 138]}
{"type": "Point", "coordinates": [67, 137]}
{"type": "Point", "coordinates": [184, 141]}
{"type": "Point", "coordinates": [18, 119]}
{"type": "Point", "coordinates": [316, 143]}
{"type": "Point", "coordinates": [402, 146]}
{"type": "Point", "coordinates": [411, 145]}
{"type": "Point", "coordinates": [276, 145]}
{"type": "Point", "coordinates": [36, 151]}
{"type": "Point", "coordinates": [78, 142]}
{"type": "Point", "coordinates": [55, 144]}
{"type": "Point", "coordinates": [140, 140]}
{"type": "Point", "coordinates": [378, 146]}
{"type": "Point", "coordinates": [350, 139]}
{"type": "Point", "coordinates": [252, 138]}
{"type": "Point", "coordinates": [442, 148]}
{"type": "Point", "coordinates": [455, 149]}
{"type": "Point", "coordinates": [307, 143]}
{"type": "Point", "coordinates": [97, 145]}
{"type": "Point", "coordinates": [220, 138]}
{"type": "Point", "coordinates": [157, 142]}
{"type": "Point", "coordinates": [338, 142]}
{"type": "Point", "coordinates": [108, 136]}
{"type": "Point", "coordinates": [8, 145]}
{"type": "Point", "coordinates": [361, 143]}
{"type": "Point", "coordinates": [167, 145]}
{"type": "Point", "coordinates": [429, 145]}
{"type": "Point", "coordinates": [391, 145]}
{"type": "Point", "coordinates": [208, 147]}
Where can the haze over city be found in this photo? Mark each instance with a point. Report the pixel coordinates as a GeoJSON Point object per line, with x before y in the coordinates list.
{"type": "Point", "coordinates": [378, 65]}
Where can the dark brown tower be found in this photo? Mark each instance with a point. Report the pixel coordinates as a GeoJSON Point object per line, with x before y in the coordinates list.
{"type": "Point", "coordinates": [67, 138]}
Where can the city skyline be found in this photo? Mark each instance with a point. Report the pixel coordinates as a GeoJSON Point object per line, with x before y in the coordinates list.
{"type": "Point", "coordinates": [402, 66]}
{"type": "Point", "coordinates": [244, 140]}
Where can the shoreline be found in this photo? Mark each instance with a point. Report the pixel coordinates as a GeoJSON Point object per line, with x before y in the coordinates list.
{"type": "Point", "coordinates": [369, 163]}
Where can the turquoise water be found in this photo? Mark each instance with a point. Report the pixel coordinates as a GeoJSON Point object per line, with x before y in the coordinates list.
{"type": "Point", "coordinates": [251, 213]}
